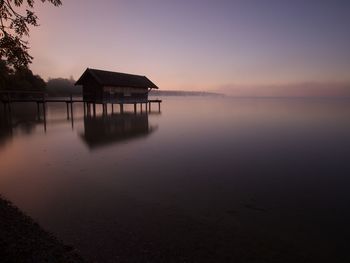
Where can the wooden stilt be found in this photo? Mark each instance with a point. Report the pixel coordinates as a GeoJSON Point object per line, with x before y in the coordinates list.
{"type": "Point", "coordinates": [71, 109]}
{"type": "Point", "coordinates": [67, 110]}
{"type": "Point", "coordinates": [71, 105]}
{"type": "Point", "coordinates": [44, 112]}
{"type": "Point", "coordinates": [38, 110]}
{"type": "Point", "coordinates": [71, 114]}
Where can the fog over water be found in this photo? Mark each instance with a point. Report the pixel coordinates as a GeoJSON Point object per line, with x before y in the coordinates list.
{"type": "Point", "coordinates": [205, 178]}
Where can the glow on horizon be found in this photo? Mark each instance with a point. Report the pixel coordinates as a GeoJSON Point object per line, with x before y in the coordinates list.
{"type": "Point", "coordinates": [197, 45]}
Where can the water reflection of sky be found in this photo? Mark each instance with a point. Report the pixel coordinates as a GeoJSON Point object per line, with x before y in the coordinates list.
{"type": "Point", "coordinates": [279, 166]}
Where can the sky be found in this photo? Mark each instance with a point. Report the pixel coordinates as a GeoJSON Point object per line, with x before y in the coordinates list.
{"type": "Point", "coordinates": [242, 47]}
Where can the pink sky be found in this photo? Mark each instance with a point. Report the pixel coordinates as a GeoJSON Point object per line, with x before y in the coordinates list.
{"type": "Point", "coordinates": [235, 46]}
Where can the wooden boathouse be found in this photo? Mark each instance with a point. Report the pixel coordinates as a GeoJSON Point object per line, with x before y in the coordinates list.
{"type": "Point", "coordinates": [100, 86]}
{"type": "Point", "coordinates": [103, 87]}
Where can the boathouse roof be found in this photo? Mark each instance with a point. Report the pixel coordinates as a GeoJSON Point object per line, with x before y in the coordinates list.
{"type": "Point", "coordinates": [115, 79]}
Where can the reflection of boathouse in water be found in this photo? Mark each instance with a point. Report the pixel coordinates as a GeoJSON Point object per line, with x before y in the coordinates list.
{"type": "Point", "coordinates": [104, 130]}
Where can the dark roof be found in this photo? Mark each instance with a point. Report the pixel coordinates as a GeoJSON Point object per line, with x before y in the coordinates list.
{"type": "Point", "coordinates": [117, 79]}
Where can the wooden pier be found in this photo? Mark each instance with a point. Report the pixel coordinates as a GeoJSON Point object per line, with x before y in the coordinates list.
{"type": "Point", "coordinates": [41, 99]}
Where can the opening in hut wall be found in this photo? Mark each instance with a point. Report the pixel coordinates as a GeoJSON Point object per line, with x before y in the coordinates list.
{"type": "Point", "coordinates": [115, 93]}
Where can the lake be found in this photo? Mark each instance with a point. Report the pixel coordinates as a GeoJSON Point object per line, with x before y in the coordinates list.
{"type": "Point", "coordinates": [207, 179]}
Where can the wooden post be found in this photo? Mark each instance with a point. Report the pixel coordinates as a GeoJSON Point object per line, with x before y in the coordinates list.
{"type": "Point", "coordinates": [71, 105]}
{"type": "Point", "coordinates": [67, 110]}
{"type": "Point", "coordinates": [88, 108]}
{"type": "Point", "coordinates": [135, 109]}
{"type": "Point", "coordinates": [112, 107]}
{"type": "Point", "coordinates": [84, 108]}
{"type": "Point", "coordinates": [149, 106]}
{"type": "Point", "coordinates": [71, 114]}
{"type": "Point", "coordinates": [94, 108]}
{"type": "Point", "coordinates": [44, 113]}
{"type": "Point", "coordinates": [121, 108]}
{"type": "Point", "coordinates": [141, 107]}
{"type": "Point", "coordinates": [146, 107]}
{"type": "Point", "coordinates": [158, 106]}
{"type": "Point", "coordinates": [44, 102]}
{"type": "Point", "coordinates": [38, 110]}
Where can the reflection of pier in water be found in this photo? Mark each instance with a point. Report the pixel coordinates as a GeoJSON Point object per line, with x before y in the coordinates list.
{"type": "Point", "coordinates": [109, 129]}
{"type": "Point", "coordinates": [100, 129]}
{"type": "Point", "coordinates": [10, 98]}
{"type": "Point", "coordinates": [21, 119]}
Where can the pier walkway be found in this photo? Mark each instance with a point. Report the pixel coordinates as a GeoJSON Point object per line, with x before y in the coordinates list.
{"type": "Point", "coordinates": [41, 99]}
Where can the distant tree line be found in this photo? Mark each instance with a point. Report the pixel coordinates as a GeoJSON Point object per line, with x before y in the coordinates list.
{"type": "Point", "coordinates": [23, 79]}
{"type": "Point", "coordinates": [57, 87]}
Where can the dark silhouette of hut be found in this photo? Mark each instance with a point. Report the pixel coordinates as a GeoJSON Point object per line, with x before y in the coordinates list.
{"type": "Point", "coordinates": [100, 86]}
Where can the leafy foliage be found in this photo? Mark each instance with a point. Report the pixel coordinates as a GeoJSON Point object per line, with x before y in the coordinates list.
{"type": "Point", "coordinates": [14, 26]}
{"type": "Point", "coordinates": [19, 79]}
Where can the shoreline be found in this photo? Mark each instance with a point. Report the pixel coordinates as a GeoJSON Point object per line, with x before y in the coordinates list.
{"type": "Point", "coordinates": [24, 240]}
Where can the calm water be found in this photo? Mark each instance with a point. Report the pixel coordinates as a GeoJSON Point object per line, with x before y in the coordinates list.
{"type": "Point", "coordinates": [205, 180]}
